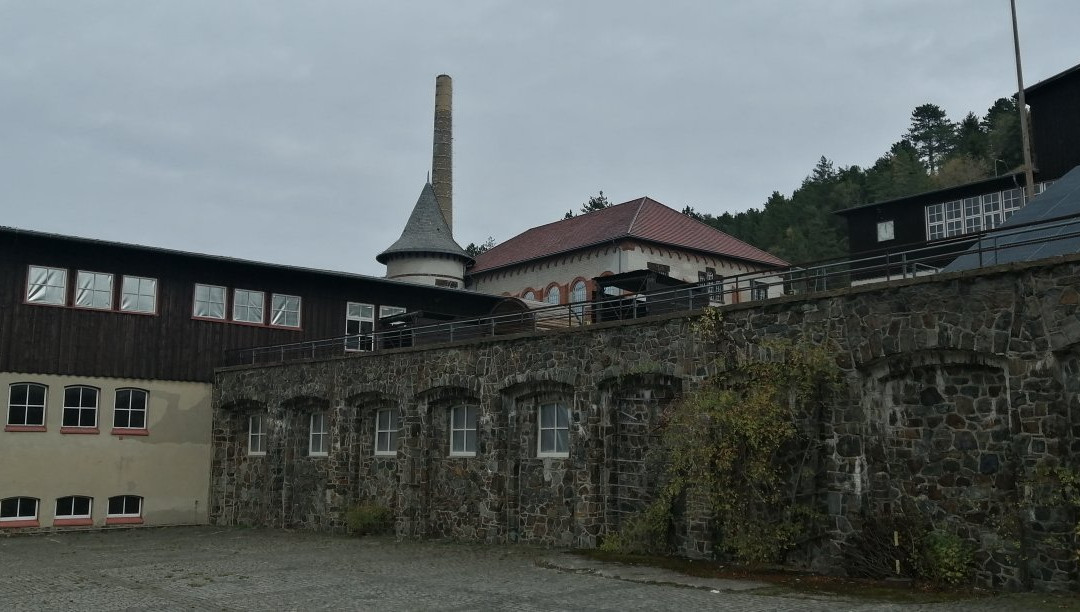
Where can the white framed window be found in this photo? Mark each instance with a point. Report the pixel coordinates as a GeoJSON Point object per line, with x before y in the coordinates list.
{"type": "Point", "coordinates": [972, 215]}
{"type": "Point", "coordinates": [209, 302]}
{"type": "Point", "coordinates": [46, 285]}
{"type": "Point", "coordinates": [94, 290]}
{"type": "Point", "coordinates": [125, 506]}
{"type": "Point", "coordinates": [18, 509]}
{"type": "Point", "coordinates": [257, 434]}
{"type": "Point", "coordinates": [554, 431]}
{"type": "Point", "coordinates": [359, 325]}
{"type": "Point", "coordinates": [26, 405]}
{"type": "Point", "coordinates": [248, 306]}
{"type": "Point", "coordinates": [463, 431]}
{"type": "Point", "coordinates": [387, 423]}
{"type": "Point", "coordinates": [578, 295]}
{"type": "Point", "coordinates": [716, 282]}
{"type": "Point", "coordinates": [389, 311]}
{"type": "Point", "coordinates": [73, 507]}
{"type": "Point", "coordinates": [319, 437]}
{"type": "Point", "coordinates": [885, 230]}
{"type": "Point", "coordinates": [759, 290]}
{"type": "Point", "coordinates": [1012, 200]}
{"type": "Point", "coordinates": [285, 310]}
{"type": "Point", "coordinates": [138, 294]}
{"type": "Point", "coordinates": [129, 409]}
{"type": "Point", "coordinates": [80, 407]}
{"type": "Point", "coordinates": [935, 221]}
{"type": "Point", "coordinates": [991, 210]}
{"type": "Point", "coordinates": [954, 218]}
{"type": "Point", "coordinates": [553, 295]}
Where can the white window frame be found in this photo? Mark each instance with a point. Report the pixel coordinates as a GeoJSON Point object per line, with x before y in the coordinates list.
{"type": "Point", "coordinates": [134, 291]}
{"type": "Point", "coordinates": [89, 510]}
{"type": "Point", "coordinates": [387, 431]}
{"type": "Point", "coordinates": [125, 513]}
{"type": "Point", "coordinates": [389, 311]}
{"type": "Point", "coordinates": [81, 408]}
{"type": "Point", "coordinates": [20, 501]}
{"type": "Point", "coordinates": [466, 427]}
{"type": "Point", "coordinates": [52, 288]}
{"type": "Point", "coordinates": [759, 290]}
{"type": "Point", "coordinates": [94, 290]}
{"type": "Point", "coordinates": [285, 310]}
{"type": "Point", "coordinates": [545, 425]}
{"type": "Point", "coordinates": [553, 295]}
{"type": "Point", "coordinates": [26, 406]}
{"type": "Point", "coordinates": [935, 221]}
{"type": "Point", "coordinates": [579, 293]}
{"type": "Point", "coordinates": [245, 307]}
{"type": "Point", "coordinates": [356, 314]}
{"type": "Point", "coordinates": [119, 409]}
{"type": "Point", "coordinates": [319, 435]}
{"type": "Point", "coordinates": [208, 302]}
{"type": "Point", "coordinates": [257, 435]}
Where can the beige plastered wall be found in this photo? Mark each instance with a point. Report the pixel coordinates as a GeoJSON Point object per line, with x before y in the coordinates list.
{"type": "Point", "coordinates": [612, 259]}
{"type": "Point", "coordinates": [169, 468]}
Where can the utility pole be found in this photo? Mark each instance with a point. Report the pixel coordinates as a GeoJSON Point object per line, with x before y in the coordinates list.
{"type": "Point", "coordinates": [1029, 173]}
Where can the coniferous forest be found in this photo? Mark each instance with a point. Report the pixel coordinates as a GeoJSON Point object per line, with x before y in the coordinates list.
{"type": "Point", "coordinates": [936, 152]}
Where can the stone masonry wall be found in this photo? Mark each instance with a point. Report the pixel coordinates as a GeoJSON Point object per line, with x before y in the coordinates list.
{"type": "Point", "coordinates": [960, 389]}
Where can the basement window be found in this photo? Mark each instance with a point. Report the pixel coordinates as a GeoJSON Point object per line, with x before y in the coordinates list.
{"type": "Point", "coordinates": [18, 512]}
{"type": "Point", "coordinates": [257, 435]}
{"type": "Point", "coordinates": [319, 440]}
{"type": "Point", "coordinates": [124, 509]}
{"type": "Point", "coordinates": [463, 431]}
{"type": "Point", "coordinates": [73, 510]}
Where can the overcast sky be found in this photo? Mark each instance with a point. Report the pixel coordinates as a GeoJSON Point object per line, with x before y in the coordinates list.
{"type": "Point", "coordinates": [300, 132]}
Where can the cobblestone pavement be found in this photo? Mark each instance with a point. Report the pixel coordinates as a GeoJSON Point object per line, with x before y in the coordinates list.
{"type": "Point", "coordinates": [209, 568]}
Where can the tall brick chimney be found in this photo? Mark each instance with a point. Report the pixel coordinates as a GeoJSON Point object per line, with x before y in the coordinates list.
{"type": "Point", "coordinates": [442, 167]}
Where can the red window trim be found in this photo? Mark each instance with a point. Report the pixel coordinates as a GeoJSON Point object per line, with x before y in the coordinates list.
{"type": "Point", "coordinates": [130, 431]}
{"type": "Point", "coordinates": [23, 523]}
{"type": "Point", "coordinates": [25, 428]}
{"type": "Point", "coordinates": [72, 522]}
{"type": "Point", "coordinates": [80, 430]}
{"type": "Point", "coordinates": [124, 520]}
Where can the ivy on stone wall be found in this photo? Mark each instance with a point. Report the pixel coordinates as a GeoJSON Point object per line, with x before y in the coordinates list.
{"type": "Point", "coordinates": [736, 446]}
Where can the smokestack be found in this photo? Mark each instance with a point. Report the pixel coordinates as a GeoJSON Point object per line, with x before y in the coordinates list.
{"type": "Point", "coordinates": [442, 170]}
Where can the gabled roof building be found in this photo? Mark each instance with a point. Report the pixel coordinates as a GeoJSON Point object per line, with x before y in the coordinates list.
{"type": "Point", "coordinates": [556, 262]}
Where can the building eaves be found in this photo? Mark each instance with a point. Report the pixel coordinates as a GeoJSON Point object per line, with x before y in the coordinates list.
{"type": "Point", "coordinates": [425, 232]}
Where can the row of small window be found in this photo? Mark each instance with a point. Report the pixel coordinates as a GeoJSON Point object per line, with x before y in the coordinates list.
{"type": "Point", "coordinates": [553, 295]}
{"type": "Point", "coordinates": [553, 432]}
{"type": "Point", "coordinates": [26, 409]}
{"type": "Point", "coordinates": [70, 511]}
{"type": "Point", "coordinates": [974, 214]}
{"type": "Point", "coordinates": [95, 290]}
{"type": "Point", "coordinates": [247, 306]}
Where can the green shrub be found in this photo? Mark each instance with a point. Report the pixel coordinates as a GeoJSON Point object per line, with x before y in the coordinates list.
{"type": "Point", "coordinates": [946, 558]}
{"type": "Point", "coordinates": [368, 518]}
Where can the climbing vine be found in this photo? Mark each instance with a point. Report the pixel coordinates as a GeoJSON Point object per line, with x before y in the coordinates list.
{"type": "Point", "coordinates": [735, 446]}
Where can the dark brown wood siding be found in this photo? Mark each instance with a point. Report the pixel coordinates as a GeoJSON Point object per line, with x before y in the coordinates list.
{"type": "Point", "coordinates": [171, 344]}
{"type": "Point", "coordinates": [1055, 125]}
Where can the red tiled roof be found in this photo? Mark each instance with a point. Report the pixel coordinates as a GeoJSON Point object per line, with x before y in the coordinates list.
{"type": "Point", "coordinates": [643, 218]}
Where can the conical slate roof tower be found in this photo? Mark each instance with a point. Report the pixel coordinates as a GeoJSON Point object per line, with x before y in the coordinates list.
{"type": "Point", "coordinates": [426, 252]}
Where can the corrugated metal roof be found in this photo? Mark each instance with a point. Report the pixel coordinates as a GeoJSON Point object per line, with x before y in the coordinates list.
{"type": "Point", "coordinates": [643, 219]}
{"type": "Point", "coordinates": [1038, 241]}
{"type": "Point", "coordinates": [426, 231]}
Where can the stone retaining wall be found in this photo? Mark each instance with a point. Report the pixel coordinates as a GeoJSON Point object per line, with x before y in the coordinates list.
{"type": "Point", "coordinates": [959, 388]}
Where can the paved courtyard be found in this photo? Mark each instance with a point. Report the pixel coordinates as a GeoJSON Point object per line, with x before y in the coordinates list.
{"type": "Point", "coordinates": [210, 568]}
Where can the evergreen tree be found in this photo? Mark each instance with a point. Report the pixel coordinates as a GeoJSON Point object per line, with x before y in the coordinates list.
{"type": "Point", "coordinates": [1005, 145]}
{"type": "Point", "coordinates": [479, 249]}
{"type": "Point", "coordinates": [932, 134]}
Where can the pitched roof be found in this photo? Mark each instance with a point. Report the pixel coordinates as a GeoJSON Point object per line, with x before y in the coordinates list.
{"type": "Point", "coordinates": [1042, 233]}
{"type": "Point", "coordinates": [643, 219]}
{"type": "Point", "coordinates": [426, 231]}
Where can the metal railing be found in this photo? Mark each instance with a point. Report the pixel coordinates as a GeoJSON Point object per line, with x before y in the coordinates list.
{"type": "Point", "coordinates": [882, 266]}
